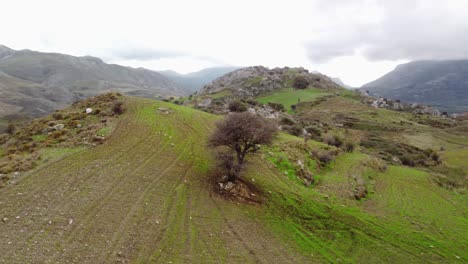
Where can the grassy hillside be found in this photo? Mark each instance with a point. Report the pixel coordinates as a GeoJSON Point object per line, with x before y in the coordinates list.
{"type": "Point", "coordinates": [145, 196]}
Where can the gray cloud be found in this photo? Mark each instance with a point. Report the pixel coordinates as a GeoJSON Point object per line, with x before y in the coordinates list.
{"type": "Point", "coordinates": [410, 29]}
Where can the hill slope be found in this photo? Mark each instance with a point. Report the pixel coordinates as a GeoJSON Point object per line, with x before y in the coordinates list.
{"type": "Point", "coordinates": [45, 81]}
{"type": "Point", "coordinates": [145, 196]}
{"type": "Point", "coordinates": [442, 84]}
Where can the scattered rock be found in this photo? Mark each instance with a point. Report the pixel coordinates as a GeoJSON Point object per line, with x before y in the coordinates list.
{"type": "Point", "coordinates": [89, 110]}
{"type": "Point", "coordinates": [99, 139]}
{"type": "Point", "coordinates": [228, 186]}
{"type": "Point", "coordinates": [164, 110]}
{"type": "Point", "coordinates": [4, 219]}
{"type": "Point", "coordinates": [360, 192]}
{"type": "Point", "coordinates": [58, 127]}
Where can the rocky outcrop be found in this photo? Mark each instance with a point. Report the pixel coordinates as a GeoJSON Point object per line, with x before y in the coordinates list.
{"type": "Point", "coordinates": [396, 105]}
{"type": "Point", "coordinates": [259, 80]}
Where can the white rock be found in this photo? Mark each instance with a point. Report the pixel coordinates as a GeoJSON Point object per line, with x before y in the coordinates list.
{"type": "Point", "coordinates": [89, 110]}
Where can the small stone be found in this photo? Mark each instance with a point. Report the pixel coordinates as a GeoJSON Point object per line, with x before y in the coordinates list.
{"type": "Point", "coordinates": [89, 110]}
{"type": "Point", "coordinates": [4, 219]}
{"type": "Point", "coordinates": [70, 221]}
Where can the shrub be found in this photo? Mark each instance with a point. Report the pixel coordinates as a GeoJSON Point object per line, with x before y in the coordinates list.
{"type": "Point", "coordinates": [314, 131]}
{"type": "Point", "coordinates": [333, 140]}
{"type": "Point", "coordinates": [118, 108]}
{"type": "Point", "coordinates": [287, 121]}
{"type": "Point", "coordinates": [349, 146]}
{"type": "Point", "coordinates": [237, 106]}
{"type": "Point", "coordinates": [11, 128]}
{"type": "Point", "coordinates": [407, 160]}
{"type": "Point", "coordinates": [276, 106]}
{"type": "Point", "coordinates": [295, 130]}
{"type": "Point", "coordinates": [300, 82]}
{"type": "Point", "coordinates": [325, 156]}
{"type": "Point", "coordinates": [57, 116]}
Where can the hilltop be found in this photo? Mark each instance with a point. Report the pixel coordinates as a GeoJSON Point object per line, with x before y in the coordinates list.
{"type": "Point", "coordinates": [442, 84]}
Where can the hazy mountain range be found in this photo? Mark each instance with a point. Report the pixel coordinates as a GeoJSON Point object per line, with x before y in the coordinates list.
{"type": "Point", "coordinates": [34, 83]}
{"type": "Point", "coordinates": [442, 84]}
{"type": "Point", "coordinates": [194, 81]}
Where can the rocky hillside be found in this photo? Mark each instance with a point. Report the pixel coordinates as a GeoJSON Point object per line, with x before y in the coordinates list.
{"type": "Point", "coordinates": [34, 83]}
{"type": "Point", "coordinates": [259, 80]}
{"type": "Point", "coordinates": [442, 84]}
{"type": "Point", "coordinates": [194, 81]}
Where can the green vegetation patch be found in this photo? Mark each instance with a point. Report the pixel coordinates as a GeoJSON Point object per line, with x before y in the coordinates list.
{"type": "Point", "coordinates": [291, 97]}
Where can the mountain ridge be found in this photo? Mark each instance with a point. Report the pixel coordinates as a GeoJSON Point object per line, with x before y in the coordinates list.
{"type": "Point", "coordinates": [57, 79]}
{"type": "Point", "coordinates": [442, 84]}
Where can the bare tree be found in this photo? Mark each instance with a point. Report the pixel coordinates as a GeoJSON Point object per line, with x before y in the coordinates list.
{"type": "Point", "coordinates": [242, 133]}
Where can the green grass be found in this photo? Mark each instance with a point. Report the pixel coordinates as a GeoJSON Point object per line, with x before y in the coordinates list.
{"type": "Point", "coordinates": [457, 158]}
{"type": "Point", "coordinates": [39, 138]}
{"type": "Point", "coordinates": [51, 154]}
{"type": "Point", "coordinates": [291, 97]}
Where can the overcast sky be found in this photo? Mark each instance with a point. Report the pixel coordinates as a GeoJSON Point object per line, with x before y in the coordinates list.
{"type": "Point", "coordinates": [355, 40]}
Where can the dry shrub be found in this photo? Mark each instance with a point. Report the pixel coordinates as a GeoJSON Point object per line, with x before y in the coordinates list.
{"type": "Point", "coordinates": [237, 106]}
{"type": "Point", "coordinates": [332, 140]}
{"type": "Point", "coordinates": [118, 108]}
{"type": "Point", "coordinates": [325, 156]}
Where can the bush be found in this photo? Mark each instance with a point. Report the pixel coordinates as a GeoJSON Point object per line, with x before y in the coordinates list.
{"type": "Point", "coordinates": [300, 82]}
{"type": "Point", "coordinates": [407, 160]}
{"type": "Point", "coordinates": [349, 146]}
{"type": "Point", "coordinates": [11, 128]}
{"type": "Point", "coordinates": [314, 131]}
{"type": "Point", "coordinates": [325, 157]}
{"type": "Point", "coordinates": [287, 121]}
{"type": "Point", "coordinates": [237, 106]}
{"type": "Point", "coordinates": [118, 108]}
{"type": "Point", "coordinates": [57, 116]}
{"type": "Point", "coordinates": [295, 130]}
{"type": "Point", "coordinates": [333, 140]}
{"type": "Point", "coordinates": [276, 106]}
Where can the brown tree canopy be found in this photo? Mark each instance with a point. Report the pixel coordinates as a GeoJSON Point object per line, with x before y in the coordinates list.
{"type": "Point", "coordinates": [242, 133]}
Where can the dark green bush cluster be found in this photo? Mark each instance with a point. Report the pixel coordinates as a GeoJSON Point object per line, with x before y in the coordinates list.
{"type": "Point", "coordinates": [300, 82]}
{"type": "Point", "coordinates": [237, 106]}
{"type": "Point", "coordinates": [276, 106]}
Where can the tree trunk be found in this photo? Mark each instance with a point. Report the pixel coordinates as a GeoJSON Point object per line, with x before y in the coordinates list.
{"type": "Point", "coordinates": [237, 168]}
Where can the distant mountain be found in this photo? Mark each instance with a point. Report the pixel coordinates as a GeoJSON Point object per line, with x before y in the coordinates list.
{"type": "Point", "coordinates": [194, 81]}
{"type": "Point", "coordinates": [441, 84]}
{"type": "Point", "coordinates": [35, 83]}
{"type": "Point", "coordinates": [341, 83]}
